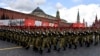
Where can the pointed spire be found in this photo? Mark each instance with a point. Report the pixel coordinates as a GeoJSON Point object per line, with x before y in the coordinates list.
{"type": "Point", "coordinates": [83, 20]}
{"type": "Point", "coordinates": [78, 17]}
{"type": "Point", "coordinates": [96, 18]}
{"type": "Point", "coordinates": [57, 15]}
{"type": "Point", "coordinates": [86, 24]}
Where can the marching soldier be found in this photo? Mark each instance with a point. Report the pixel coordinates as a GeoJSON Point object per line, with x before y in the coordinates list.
{"type": "Point", "coordinates": [75, 40]}
{"type": "Point", "coordinates": [61, 41]}
{"type": "Point", "coordinates": [38, 42]}
{"type": "Point", "coordinates": [87, 39]}
{"type": "Point", "coordinates": [96, 35]}
{"type": "Point", "coordinates": [54, 39]}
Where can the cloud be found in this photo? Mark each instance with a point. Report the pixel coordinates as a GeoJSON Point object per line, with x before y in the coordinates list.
{"type": "Point", "coordinates": [87, 12]}
{"type": "Point", "coordinates": [59, 5]}
{"type": "Point", "coordinates": [23, 5]}
{"type": "Point", "coordinates": [39, 1]}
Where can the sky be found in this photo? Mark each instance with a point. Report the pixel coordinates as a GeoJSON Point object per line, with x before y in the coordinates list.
{"type": "Point", "coordinates": [88, 9]}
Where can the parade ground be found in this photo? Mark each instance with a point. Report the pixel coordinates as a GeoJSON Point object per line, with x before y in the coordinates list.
{"type": "Point", "coordinates": [10, 49]}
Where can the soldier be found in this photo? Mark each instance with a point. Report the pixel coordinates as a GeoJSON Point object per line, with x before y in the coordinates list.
{"type": "Point", "coordinates": [96, 35]}
{"type": "Point", "coordinates": [54, 40]}
{"type": "Point", "coordinates": [87, 39]}
{"type": "Point", "coordinates": [82, 38]}
{"type": "Point", "coordinates": [75, 40]}
{"type": "Point", "coordinates": [61, 41]}
{"type": "Point", "coordinates": [34, 36]}
{"type": "Point", "coordinates": [38, 42]}
{"type": "Point", "coordinates": [46, 42]}
{"type": "Point", "coordinates": [70, 39]}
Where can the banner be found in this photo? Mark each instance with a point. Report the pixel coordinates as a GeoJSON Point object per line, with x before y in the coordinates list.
{"type": "Point", "coordinates": [38, 23]}
{"type": "Point", "coordinates": [55, 25]}
{"type": "Point", "coordinates": [78, 25]}
{"type": "Point", "coordinates": [12, 22]}
{"type": "Point", "coordinates": [26, 22]}
{"type": "Point", "coordinates": [4, 22]}
{"type": "Point", "coordinates": [44, 23]}
{"type": "Point", "coordinates": [16, 22]}
{"type": "Point", "coordinates": [29, 22]}
{"type": "Point", "coordinates": [51, 24]}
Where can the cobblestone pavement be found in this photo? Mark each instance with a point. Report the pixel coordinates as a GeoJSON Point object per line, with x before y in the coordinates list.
{"type": "Point", "coordinates": [81, 51]}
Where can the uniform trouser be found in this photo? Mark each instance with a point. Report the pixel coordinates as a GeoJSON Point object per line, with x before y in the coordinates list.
{"type": "Point", "coordinates": [48, 47]}
{"type": "Point", "coordinates": [62, 46]}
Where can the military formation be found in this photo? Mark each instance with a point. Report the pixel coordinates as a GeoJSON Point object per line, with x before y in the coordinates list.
{"type": "Point", "coordinates": [50, 39]}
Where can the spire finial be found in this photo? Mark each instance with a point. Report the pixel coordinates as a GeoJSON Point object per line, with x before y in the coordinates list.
{"type": "Point", "coordinates": [83, 20]}
{"type": "Point", "coordinates": [78, 17]}
{"type": "Point", "coordinates": [96, 18]}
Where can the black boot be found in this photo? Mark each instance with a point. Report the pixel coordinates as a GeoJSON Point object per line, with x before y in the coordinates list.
{"type": "Point", "coordinates": [55, 48]}
{"type": "Point", "coordinates": [49, 50]}
{"type": "Point", "coordinates": [80, 43]}
{"type": "Point", "coordinates": [27, 47]}
{"type": "Point", "coordinates": [75, 46]}
{"type": "Point", "coordinates": [96, 43]}
{"type": "Point", "coordinates": [88, 44]}
{"type": "Point", "coordinates": [69, 46]}
{"type": "Point", "coordinates": [41, 51]}
{"type": "Point", "coordinates": [36, 49]}
{"type": "Point", "coordinates": [64, 48]}
{"type": "Point", "coordinates": [58, 49]}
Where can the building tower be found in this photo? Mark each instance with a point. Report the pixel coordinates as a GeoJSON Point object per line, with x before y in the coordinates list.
{"type": "Point", "coordinates": [84, 23]}
{"type": "Point", "coordinates": [83, 20]}
{"type": "Point", "coordinates": [96, 19]}
{"type": "Point", "coordinates": [78, 17]}
{"type": "Point", "coordinates": [58, 17]}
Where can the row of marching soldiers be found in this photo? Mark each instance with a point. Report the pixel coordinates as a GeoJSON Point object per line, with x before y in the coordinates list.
{"type": "Point", "coordinates": [49, 40]}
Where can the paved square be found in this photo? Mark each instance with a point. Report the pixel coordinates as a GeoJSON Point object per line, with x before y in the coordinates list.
{"type": "Point", "coordinates": [9, 49]}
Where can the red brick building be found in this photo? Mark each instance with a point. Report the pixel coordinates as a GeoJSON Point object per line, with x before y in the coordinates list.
{"type": "Point", "coordinates": [36, 14]}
